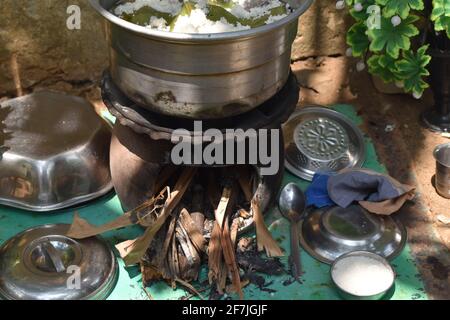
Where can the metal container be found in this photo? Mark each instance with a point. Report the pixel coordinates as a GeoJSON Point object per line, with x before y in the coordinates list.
{"type": "Point", "coordinates": [442, 178]}
{"type": "Point", "coordinates": [55, 152]}
{"type": "Point", "coordinates": [202, 76]}
{"type": "Point", "coordinates": [330, 232]}
{"type": "Point", "coordinates": [41, 263]}
{"type": "Point", "coordinates": [320, 139]}
{"type": "Point", "coordinates": [345, 293]}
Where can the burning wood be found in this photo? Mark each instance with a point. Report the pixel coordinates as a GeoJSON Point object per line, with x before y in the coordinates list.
{"type": "Point", "coordinates": [137, 248]}
{"type": "Point", "coordinates": [186, 225]}
{"type": "Point", "coordinates": [263, 235]}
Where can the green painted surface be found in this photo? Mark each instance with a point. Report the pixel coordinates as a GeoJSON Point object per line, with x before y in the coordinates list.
{"type": "Point", "coordinates": [316, 280]}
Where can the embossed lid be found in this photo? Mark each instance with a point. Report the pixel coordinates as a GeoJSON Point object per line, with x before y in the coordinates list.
{"type": "Point", "coordinates": [41, 263]}
{"type": "Point", "coordinates": [321, 139]}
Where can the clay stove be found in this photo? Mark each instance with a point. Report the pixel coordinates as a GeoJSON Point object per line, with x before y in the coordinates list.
{"type": "Point", "coordinates": [141, 165]}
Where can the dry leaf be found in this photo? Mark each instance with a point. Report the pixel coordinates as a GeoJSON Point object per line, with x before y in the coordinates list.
{"type": "Point", "coordinates": [140, 245]}
{"type": "Point", "coordinates": [264, 238]}
{"type": "Point", "coordinates": [195, 235]}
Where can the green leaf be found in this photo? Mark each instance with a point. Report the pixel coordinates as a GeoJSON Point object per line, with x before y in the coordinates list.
{"type": "Point", "coordinates": [257, 22]}
{"type": "Point", "coordinates": [222, 3]}
{"type": "Point", "coordinates": [412, 70]}
{"type": "Point", "coordinates": [142, 16]}
{"type": "Point", "coordinates": [364, 13]}
{"type": "Point", "coordinates": [357, 39]}
{"type": "Point", "coordinates": [215, 13]}
{"type": "Point", "coordinates": [393, 38]}
{"type": "Point", "coordinates": [441, 15]}
{"type": "Point", "coordinates": [400, 7]}
{"type": "Point", "coordinates": [383, 66]}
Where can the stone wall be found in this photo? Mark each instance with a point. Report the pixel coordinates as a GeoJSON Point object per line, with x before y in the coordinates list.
{"type": "Point", "coordinates": [38, 50]}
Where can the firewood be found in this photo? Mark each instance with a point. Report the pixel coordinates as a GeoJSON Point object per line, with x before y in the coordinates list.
{"type": "Point", "coordinates": [234, 231]}
{"type": "Point", "coordinates": [149, 274]}
{"type": "Point", "coordinates": [222, 217]}
{"type": "Point", "coordinates": [173, 259]}
{"type": "Point", "coordinates": [81, 229]}
{"type": "Point", "coordinates": [194, 233]}
{"type": "Point", "coordinates": [264, 238]}
{"type": "Point", "coordinates": [198, 219]}
{"type": "Point", "coordinates": [188, 257]}
{"type": "Point", "coordinates": [215, 256]}
{"type": "Point", "coordinates": [244, 214]}
{"type": "Point", "coordinates": [162, 263]}
{"type": "Point", "coordinates": [137, 249]}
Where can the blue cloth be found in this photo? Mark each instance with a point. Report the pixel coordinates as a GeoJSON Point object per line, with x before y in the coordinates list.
{"type": "Point", "coordinates": [317, 192]}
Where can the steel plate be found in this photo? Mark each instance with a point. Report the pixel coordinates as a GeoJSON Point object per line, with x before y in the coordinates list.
{"type": "Point", "coordinates": [321, 139]}
{"type": "Point", "coordinates": [327, 233]}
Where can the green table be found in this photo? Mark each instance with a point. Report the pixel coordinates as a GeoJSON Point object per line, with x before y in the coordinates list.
{"type": "Point", "coordinates": [316, 280]}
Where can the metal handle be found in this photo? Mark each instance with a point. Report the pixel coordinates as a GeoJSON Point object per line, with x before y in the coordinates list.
{"type": "Point", "coordinates": [295, 252]}
{"type": "Point", "coordinates": [54, 255]}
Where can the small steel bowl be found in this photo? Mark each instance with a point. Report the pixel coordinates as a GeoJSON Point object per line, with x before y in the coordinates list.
{"type": "Point", "coordinates": [54, 154]}
{"type": "Point", "coordinates": [321, 139]}
{"type": "Point", "coordinates": [345, 293]}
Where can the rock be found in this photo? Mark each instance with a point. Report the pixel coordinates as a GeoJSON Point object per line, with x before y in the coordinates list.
{"type": "Point", "coordinates": [322, 31]}
{"type": "Point", "coordinates": [34, 36]}
{"type": "Point", "coordinates": [38, 50]}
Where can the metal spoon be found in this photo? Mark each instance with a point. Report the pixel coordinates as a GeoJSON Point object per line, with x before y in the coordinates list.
{"type": "Point", "coordinates": [292, 204]}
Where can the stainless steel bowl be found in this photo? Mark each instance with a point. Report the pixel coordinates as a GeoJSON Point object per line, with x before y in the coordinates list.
{"type": "Point", "coordinates": [330, 232]}
{"type": "Point", "coordinates": [346, 293]}
{"type": "Point", "coordinates": [55, 152]}
{"type": "Point", "coordinates": [202, 76]}
{"type": "Point", "coordinates": [320, 139]}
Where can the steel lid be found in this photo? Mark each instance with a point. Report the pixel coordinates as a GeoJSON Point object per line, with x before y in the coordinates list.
{"type": "Point", "coordinates": [42, 264]}
{"type": "Point", "coordinates": [327, 233]}
{"type": "Point", "coordinates": [320, 139]}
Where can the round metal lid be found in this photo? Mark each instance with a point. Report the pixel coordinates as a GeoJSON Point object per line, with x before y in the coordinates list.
{"type": "Point", "coordinates": [327, 233]}
{"type": "Point", "coordinates": [321, 139]}
{"type": "Point", "coordinates": [43, 264]}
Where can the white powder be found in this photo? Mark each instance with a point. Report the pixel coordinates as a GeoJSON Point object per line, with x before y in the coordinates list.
{"type": "Point", "coordinates": [197, 21]}
{"type": "Point", "coordinates": [167, 6]}
{"type": "Point", "coordinates": [273, 19]}
{"type": "Point", "coordinates": [158, 23]}
{"type": "Point", "coordinates": [254, 8]}
{"type": "Point", "coordinates": [362, 276]}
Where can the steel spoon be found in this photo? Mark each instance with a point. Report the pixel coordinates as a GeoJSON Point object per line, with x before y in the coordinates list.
{"type": "Point", "coordinates": [292, 204]}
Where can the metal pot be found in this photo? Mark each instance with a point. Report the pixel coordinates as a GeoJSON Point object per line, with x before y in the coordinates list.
{"type": "Point", "coordinates": [202, 76]}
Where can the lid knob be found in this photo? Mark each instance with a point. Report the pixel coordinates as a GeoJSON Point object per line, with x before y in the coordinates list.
{"type": "Point", "coordinates": [52, 254]}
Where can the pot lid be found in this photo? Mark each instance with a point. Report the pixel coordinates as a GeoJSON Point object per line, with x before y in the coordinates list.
{"type": "Point", "coordinates": [327, 233]}
{"type": "Point", "coordinates": [321, 139]}
{"type": "Point", "coordinates": [42, 264]}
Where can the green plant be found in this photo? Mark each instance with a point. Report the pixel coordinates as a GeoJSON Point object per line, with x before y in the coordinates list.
{"type": "Point", "coordinates": [386, 34]}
